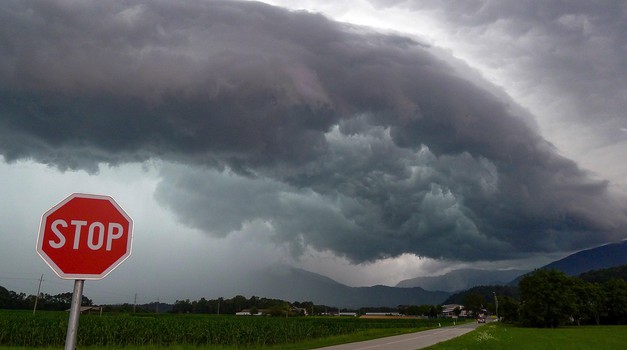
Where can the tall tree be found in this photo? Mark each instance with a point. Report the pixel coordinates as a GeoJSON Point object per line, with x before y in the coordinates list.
{"type": "Point", "coordinates": [474, 302]}
{"type": "Point", "coordinates": [182, 307]}
{"type": "Point", "coordinates": [508, 309]}
{"type": "Point", "coordinates": [616, 293]}
{"type": "Point", "coordinates": [547, 299]}
{"type": "Point", "coordinates": [590, 301]}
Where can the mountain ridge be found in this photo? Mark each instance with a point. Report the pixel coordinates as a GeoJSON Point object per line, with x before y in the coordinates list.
{"type": "Point", "coordinates": [294, 284]}
{"type": "Point", "coordinates": [289, 283]}
{"type": "Point", "coordinates": [462, 279]}
{"type": "Point", "coordinates": [605, 256]}
{"type": "Point", "coordinates": [597, 258]}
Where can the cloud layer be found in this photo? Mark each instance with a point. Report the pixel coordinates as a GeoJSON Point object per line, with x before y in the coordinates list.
{"type": "Point", "coordinates": [336, 137]}
{"type": "Point", "coordinates": [563, 59]}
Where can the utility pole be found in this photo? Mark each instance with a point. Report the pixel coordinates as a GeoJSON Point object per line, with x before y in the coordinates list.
{"type": "Point", "coordinates": [135, 303]}
{"type": "Point", "coordinates": [496, 302]}
{"type": "Point", "coordinates": [37, 295]}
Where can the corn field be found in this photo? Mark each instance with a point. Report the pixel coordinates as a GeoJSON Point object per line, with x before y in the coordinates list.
{"type": "Point", "coordinates": [47, 329]}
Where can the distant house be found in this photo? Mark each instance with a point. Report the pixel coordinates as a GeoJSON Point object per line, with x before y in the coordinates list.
{"type": "Point", "coordinates": [383, 314]}
{"type": "Point", "coordinates": [448, 311]}
{"type": "Point", "coordinates": [266, 312]}
{"type": "Point", "coordinates": [299, 311]}
{"type": "Point", "coordinates": [353, 314]}
{"type": "Point", "coordinates": [248, 312]}
{"type": "Point", "coordinates": [345, 313]}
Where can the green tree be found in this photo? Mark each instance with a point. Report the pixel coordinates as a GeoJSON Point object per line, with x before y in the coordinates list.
{"type": "Point", "coordinates": [5, 299]}
{"type": "Point", "coordinates": [508, 309]}
{"type": "Point", "coordinates": [590, 301]}
{"type": "Point", "coordinates": [474, 302]}
{"type": "Point", "coordinates": [280, 309]}
{"type": "Point", "coordinates": [547, 299]}
{"type": "Point", "coordinates": [616, 302]}
{"type": "Point", "coordinates": [306, 305]}
{"type": "Point", "coordinates": [457, 311]}
{"type": "Point", "coordinates": [418, 310]}
{"type": "Point", "coordinates": [423, 310]}
{"type": "Point", "coordinates": [201, 306]}
{"type": "Point", "coordinates": [435, 310]}
{"type": "Point", "coordinates": [182, 307]}
{"type": "Point", "coordinates": [239, 303]}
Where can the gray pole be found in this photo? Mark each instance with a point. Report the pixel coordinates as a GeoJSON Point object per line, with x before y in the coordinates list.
{"type": "Point", "coordinates": [75, 313]}
{"type": "Point", "coordinates": [496, 301]}
{"type": "Point", "coordinates": [37, 296]}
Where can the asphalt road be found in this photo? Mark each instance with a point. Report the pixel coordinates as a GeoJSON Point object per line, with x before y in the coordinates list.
{"type": "Point", "coordinates": [409, 341]}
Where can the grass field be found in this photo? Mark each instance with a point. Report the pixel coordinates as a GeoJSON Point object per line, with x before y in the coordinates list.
{"type": "Point", "coordinates": [501, 336]}
{"type": "Point", "coordinates": [47, 329]}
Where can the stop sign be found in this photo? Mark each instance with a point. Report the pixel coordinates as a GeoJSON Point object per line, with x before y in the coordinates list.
{"type": "Point", "coordinates": [85, 236]}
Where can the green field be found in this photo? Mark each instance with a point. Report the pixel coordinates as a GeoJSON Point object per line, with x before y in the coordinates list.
{"type": "Point", "coordinates": [47, 329]}
{"type": "Point", "coordinates": [20, 329]}
{"type": "Point", "coordinates": [502, 336]}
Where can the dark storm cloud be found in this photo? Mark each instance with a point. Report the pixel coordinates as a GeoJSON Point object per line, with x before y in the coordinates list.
{"type": "Point", "coordinates": [338, 137]}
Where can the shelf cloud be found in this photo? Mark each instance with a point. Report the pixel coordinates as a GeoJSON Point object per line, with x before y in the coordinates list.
{"type": "Point", "coordinates": [338, 137]}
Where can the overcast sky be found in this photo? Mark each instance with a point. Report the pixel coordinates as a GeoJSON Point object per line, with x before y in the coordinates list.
{"type": "Point", "coordinates": [369, 141]}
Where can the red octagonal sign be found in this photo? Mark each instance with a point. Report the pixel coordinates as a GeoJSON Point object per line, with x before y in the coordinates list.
{"type": "Point", "coordinates": [85, 237]}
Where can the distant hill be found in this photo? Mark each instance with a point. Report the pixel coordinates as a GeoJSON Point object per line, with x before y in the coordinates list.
{"type": "Point", "coordinates": [603, 257]}
{"type": "Point", "coordinates": [486, 292]}
{"type": "Point", "coordinates": [602, 276]}
{"type": "Point", "coordinates": [292, 284]}
{"type": "Point", "coordinates": [609, 255]}
{"type": "Point", "coordinates": [463, 279]}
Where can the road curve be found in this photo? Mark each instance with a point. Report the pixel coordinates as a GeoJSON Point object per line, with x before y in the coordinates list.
{"type": "Point", "coordinates": [409, 341]}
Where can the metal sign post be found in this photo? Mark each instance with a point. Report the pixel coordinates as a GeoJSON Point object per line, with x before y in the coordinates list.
{"type": "Point", "coordinates": [85, 236]}
{"type": "Point", "coordinates": [75, 313]}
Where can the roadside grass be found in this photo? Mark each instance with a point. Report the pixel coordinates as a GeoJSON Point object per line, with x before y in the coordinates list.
{"type": "Point", "coordinates": [503, 336]}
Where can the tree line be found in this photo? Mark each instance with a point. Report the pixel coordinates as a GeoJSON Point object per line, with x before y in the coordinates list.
{"type": "Point", "coordinates": [12, 300]}
{"type": "Point", "coordinates": [225, 306]}
{"type": "Point", "coordinates": [254, 304]}
{"type": "Point", "coordinates": [550, 298]}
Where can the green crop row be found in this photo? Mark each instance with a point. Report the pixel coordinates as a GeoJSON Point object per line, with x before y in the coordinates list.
{"type": "Point", "coordinates": [47, 329]}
